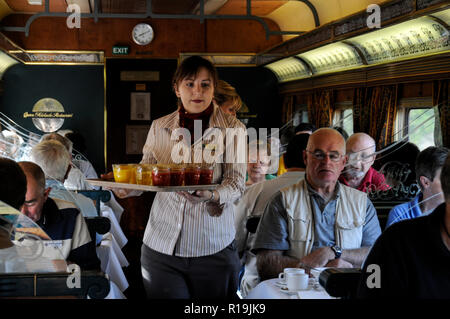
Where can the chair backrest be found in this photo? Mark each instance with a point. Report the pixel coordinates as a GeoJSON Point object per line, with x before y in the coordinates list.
{"type": "Point", "coordinates": [99, 225]}
{"type": "Point", "coordinates": [340, 282]}
{"type": "Point", "coordinates": [97, 196]}
{"type": "Point", "coordinates": [28, 285]}
{"type": "Point", "coordinates": [383, 208]}
{"type": "Point", "coordinates": [252, 223]}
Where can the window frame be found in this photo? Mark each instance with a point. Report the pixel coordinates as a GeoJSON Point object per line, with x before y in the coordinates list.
{"type": "Point", "coordinates": [300, 109]}
{"type": "Point", "coordinates": [338, 114]}
{"type": "Point", "coordinates": [405, 106]}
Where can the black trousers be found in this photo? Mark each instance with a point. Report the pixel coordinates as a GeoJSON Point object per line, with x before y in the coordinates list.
{"type": "Point", "coordinates": [208, 277]}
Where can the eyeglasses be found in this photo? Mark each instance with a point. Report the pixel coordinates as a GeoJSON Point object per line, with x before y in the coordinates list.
{"type": "Point", "coordinates": [360, 157]}
{"type": "Point", "coordinates": [320, 156]}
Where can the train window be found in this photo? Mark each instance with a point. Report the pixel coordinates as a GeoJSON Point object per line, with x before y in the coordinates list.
{"type": "Point", "coordinates": [420, 125]}
{"type": "Point", "coordinates": [300, 115]}
{"type": "Point", "coordinates": [343, 117]}
{"type": "Point", "coordinates": [416, 121]}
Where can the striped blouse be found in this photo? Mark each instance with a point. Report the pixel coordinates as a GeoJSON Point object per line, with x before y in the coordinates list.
{"type": "Point", "coordinates": [177, 226]}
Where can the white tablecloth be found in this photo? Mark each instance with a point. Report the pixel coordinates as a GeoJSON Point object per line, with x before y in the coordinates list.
{"type": "Point", "coordinates": [114, 205]}
{"type": "Point", "coordinates": [269, 289]}
{"type": "Point", "coordinates": [112, 260]}
{"type": "Point", "coordinates": [114, 292]}
{"type": "Point", "coordinates": [115, 229]}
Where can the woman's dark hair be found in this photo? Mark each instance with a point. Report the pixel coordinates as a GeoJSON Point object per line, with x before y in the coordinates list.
{"type": "Point", "coordinates": [305, 126]}
{"type": "Point", "coordinates": [13, 183]}
{"type": "Point", "coordinates": [294, 152]}
{"type": "Point", "coordinates": [77, 140]}
{"type": "Point", "coordinates": [445, 178]}
{"type": "Point", "coordinates": [398, 159]}
{"type": "Point", "coordinates": [190, 67]}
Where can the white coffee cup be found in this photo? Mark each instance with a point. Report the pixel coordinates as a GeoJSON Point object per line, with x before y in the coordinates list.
{"type": "Point", "coordinates": [282, 276]}
{"type": "Point", "coordinates": [297, 281]}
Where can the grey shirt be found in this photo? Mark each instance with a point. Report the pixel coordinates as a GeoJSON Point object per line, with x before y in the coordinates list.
{"type": "Point", "coordinates": [273, 234]}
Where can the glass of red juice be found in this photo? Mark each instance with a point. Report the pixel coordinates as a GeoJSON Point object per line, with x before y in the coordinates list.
{"type": "Point", "coordinates": [176, 175]}
{"type": "Point", "coordinates": [192, 174]}
{"type": "Point", "coordinates": [206, 174]}
{"type": "Point", "coordinates": [161, 175]}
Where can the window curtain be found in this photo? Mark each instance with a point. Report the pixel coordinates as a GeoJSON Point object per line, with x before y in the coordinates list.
{"type": "Point", "coordinates": [440, 101]}
{"type": "Point", "coordinates": [374, 111]}
{"type": "Point", "coordinates": [321, 108]}
{"type": "Point", "coordinates": [287, 109]}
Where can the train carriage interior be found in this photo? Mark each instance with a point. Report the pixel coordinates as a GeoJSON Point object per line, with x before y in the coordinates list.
{"type": "Point", "coordinates": [381, 67]}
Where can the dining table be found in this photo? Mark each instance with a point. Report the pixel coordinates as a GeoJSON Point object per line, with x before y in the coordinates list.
{"type": "Point", "coordinates": [276, 289]}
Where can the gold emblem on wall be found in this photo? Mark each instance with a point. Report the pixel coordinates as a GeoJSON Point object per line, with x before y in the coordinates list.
{"type": "Point", "coordinates": [47, 115]}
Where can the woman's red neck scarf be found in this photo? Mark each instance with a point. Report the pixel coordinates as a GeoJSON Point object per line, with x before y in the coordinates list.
{"type": "Point", "coordinates": [187, 119]}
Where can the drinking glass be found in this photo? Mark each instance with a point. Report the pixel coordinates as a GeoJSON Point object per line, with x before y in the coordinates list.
{"type": "Point", "coordinates": [161, 175]}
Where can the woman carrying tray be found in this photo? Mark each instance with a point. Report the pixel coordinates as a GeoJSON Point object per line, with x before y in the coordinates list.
{"type": "Point", "coordinates": [188, 248]}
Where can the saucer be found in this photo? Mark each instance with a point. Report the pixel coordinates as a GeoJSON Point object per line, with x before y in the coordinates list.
{"type": "Point", "coordinates": [291, 292]}
{"type": "Point", "coordinates": [280, 283]}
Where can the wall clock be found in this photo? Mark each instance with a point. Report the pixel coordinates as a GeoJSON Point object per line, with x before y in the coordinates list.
{"type": "Point", "coordinates": [142, 34]}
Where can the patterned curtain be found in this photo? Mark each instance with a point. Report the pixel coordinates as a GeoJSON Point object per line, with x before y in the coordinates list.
{"type": "Point", "coordinates": [287, 109]}
{"type": "Point", "coordinates": [374, 111]}
{"type": "Point", "coordinates": [321, 108]}
{"type": "Point", "coordinates": [361, 114]}
{"type": "Point", "coordinates": [441, 100]}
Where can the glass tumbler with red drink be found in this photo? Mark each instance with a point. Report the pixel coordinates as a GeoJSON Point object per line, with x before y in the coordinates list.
{"type": "Point", "coordinates": [161, 175]}
{"type": "Point", "coordinates": [192, 174]}
{"type": "Point", "coordinates": [176, 175]}
{"type": "Point", "coordinates": [206, 174]}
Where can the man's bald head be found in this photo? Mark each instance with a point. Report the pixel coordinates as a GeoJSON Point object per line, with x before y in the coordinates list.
{"type": "Point", "coordinates": [35, 172]}
{"type": "Point", "coordinates": [326, 134]}
{"type": "Point", "coordinates": [325, 158]}
{"type": "Point", "coordinates": [360, 141]}
{"type": "Point", "coordinates": [360, 149]}
{"type": "Point", "coordinates": [37, 194]}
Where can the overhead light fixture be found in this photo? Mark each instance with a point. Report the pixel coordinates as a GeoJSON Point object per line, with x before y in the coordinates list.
{"type": "Point", "coordinates": [288, 69]}
{"type": "Point", "coordinates": [409, 39]}
{"type": "Point", "coordinates": [35, 2]}
{"type": "Point", "coordinates": [6, 62]}
{"type": "Point", "coordinates": [332, 58]}
{"type": "Point", "coordinates": [419, 37]}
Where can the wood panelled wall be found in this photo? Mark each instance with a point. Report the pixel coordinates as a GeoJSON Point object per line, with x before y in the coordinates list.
{"type": "Point", "coordinates": [172, 36]}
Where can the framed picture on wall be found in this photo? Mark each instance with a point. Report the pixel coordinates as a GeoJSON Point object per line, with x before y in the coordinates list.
{"type": "Point", "coordinates": [136, 136]}
{"type": "Point", "coordinates": [140, 106]}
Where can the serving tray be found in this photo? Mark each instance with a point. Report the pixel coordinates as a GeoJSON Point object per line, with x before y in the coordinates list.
{"type": "Point", "coordinates": [112, 184]}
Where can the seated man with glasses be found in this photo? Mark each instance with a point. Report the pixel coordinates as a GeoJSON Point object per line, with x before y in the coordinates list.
{"type": "Point", "coordinates": [359, 172]}
{"type": "Point", "coordinates": [316, 222]}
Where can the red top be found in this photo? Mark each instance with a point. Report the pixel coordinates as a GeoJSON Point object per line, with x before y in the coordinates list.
{"type": "Point", "coordinates": [373, 180]}
{"type": "Point", "coordinates": [187, 119]}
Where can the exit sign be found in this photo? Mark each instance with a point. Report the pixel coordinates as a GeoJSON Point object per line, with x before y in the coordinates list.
{"type": "Point", "coordinates": [121, 49]}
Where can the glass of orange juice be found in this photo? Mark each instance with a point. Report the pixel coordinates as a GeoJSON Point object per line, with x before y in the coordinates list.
{"type": "Point", "coordinates": [144, 174]}
{"type": "Point", "coordinates": [122, 173]}
{"type": "Point", "coordinates": [132, 179]}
